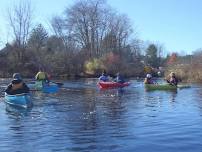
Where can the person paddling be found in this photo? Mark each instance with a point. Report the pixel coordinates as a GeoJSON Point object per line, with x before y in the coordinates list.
{"type": "Point", "coordinates": [148, 79]}
{"type": "Point", "coordinates": [172, 79]}
{"type": "Point", "coordinates": [119, 78]}
{"type": "Point", "coordinates": [104, 77]}
{"type": "Point", "coordinates": [17, 86]}
{"type": "Point", "coordinates": [42, 76]}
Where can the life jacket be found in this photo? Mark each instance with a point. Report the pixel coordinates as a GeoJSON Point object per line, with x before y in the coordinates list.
{"type": "Point", "coordinates": [40, 76]}
{"type": "Point", "coordinates": [17, 86]}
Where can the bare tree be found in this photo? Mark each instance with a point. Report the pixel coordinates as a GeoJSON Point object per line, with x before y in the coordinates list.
{"type": "Point", "coordinates": [121, 29]}
{"type": "Point", "coordinates": [84, 23]}
{"type": "Point", "coordinates": [20, 18]}
{"type": "Point", "coordinates": [94, 26]}
{"type": "Point", "coordinates": [136, 47]}
{"type": "Point", "coordinates": [58, 26]}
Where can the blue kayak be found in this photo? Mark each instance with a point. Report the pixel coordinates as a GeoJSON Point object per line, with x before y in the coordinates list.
{"type": "Point", "coordinates": [44, 87]}
{"type": "Point", "coordinates": [21, 100]}
{"type": "Point", "coordinates": [50, 88]}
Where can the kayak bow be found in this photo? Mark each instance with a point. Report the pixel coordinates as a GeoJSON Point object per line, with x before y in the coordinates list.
{"type": "Point", "coordinates": [21, 100]}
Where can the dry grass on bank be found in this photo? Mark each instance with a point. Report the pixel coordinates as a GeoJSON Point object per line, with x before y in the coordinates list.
{"type": "Point", "coordinates": [187, 72]}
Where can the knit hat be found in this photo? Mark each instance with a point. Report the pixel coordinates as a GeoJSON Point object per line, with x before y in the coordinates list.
{"type": "Point", "coordinates": [17, 76]}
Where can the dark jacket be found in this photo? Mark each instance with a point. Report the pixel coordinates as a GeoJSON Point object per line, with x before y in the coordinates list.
{"type": "Point", "coordinates": [24, 89]}
{"type": "Point", "coordinates": [173, 81]}
{"type": "Point", "coordinates": [148, 81]}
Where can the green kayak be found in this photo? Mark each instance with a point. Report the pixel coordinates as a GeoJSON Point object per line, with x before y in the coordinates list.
{"type": "Point", "coordinates": [160, 87]}
{"type": "Point", "coordinates": [183, 86]}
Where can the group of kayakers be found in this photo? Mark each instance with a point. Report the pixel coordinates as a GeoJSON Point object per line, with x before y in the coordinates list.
{"type": "Point", "coordinates": [105, 78]}
{"type": "Point", "coordinates": [171, 79]}
{"type": "Point", "coordinates": [18, 86]}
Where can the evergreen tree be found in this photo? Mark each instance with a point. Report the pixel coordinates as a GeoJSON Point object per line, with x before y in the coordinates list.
{"type": "Point", "coordinates": [38, 37]}
{"type": "Point", "coordinates": [151, 55]}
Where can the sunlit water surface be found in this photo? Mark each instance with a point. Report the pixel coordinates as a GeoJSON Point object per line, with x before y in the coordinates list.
{"type": "Point", "coordinates": [83, 118]}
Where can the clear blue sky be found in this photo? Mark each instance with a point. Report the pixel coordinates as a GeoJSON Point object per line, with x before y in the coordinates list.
{"type": "Point", "coordinates": [177, 24]}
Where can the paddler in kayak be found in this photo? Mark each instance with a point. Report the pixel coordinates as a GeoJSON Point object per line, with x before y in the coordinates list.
{"type": "Point", "coordinates": [42, 76]}
{"type": "Point", "coordinates": [148, 79]}
{"type": "Point", "coordinates": [172, 79]}
{"type": "Point", "coordinates": [119, 78]}
{"type": "Point", "coordinates": [17, 86]}
{"type": "Point", "coordinates": [104, 77]}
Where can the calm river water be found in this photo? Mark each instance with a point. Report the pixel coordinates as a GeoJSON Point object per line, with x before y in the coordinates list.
{"type": "Point", "coordinates": [82, 118]}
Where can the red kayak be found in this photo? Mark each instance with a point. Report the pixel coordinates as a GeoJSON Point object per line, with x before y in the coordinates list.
{"type": "Point", "coordinates": [106, 85]}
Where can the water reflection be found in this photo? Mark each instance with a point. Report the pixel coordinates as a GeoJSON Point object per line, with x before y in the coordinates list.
{"type": "Point", "coordinates": [85, 118]}
{"type": "Point", "coordinates": [112, 92]}
{"type": "Point", "coordinates": [100, 113]}
{"type": "Point", "coordinates": [173, 95]}
{"type": "Point", "coordinates": [17, 112]}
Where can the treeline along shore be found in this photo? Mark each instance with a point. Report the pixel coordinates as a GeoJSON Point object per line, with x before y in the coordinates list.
{"type": "Point", "coordinates": [87, 38]}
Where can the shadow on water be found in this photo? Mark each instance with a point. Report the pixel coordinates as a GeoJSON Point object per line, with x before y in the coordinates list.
{"type": "Point", "coordinates": [169, 94]}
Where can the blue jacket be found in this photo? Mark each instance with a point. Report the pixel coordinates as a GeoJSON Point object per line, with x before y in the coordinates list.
{"type": "Point", "coordinates": [103, 78]}
{"type": "Point", "coordinates": [119, 79]}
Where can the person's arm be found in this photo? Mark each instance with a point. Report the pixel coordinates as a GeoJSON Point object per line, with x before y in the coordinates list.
{"type": "Point", "coordinates": [107, 78]}
{"type": "Point", "coordinates": [115, 80]}
{"type": "Point", "coordinates": [145, 81]}
{"type": "Point", "coordinates": [26, 88]}
{"type": "Point", "coordinates": [8, 89]}
{"type": "Point", "coordinates": [121, 79]}
{"type": "Point", "coordinates": [100, 78]}
{"type": "Point", "coordinates": [176, 81]}
{"type": "Point", "coordinates": [47, 77]}
{"type": "Point", "coordinates": [37, 76]}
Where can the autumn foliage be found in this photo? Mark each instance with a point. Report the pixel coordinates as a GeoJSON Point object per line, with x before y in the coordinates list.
{"type": "Point", "coordinates": [112, 58]}
{"type": "Point", "coordinates": [172, 59]}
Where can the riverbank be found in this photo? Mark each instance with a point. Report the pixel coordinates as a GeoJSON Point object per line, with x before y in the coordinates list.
{"type": "Point", "coordinates": [186, 72]}
{"type": "Point", "coordinates": [75, 76]}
